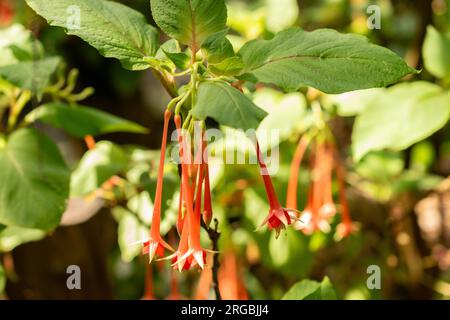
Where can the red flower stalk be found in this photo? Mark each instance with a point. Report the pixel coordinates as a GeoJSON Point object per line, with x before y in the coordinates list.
{"type": "Point", "coordinates": [156, 245]}
{"type": "Point", "coordinates": [148, 294]}
{"type": "Point", "coordinates": [174, 290]}
{"type": "Point", "coordinates": [204, 285]}
{"type": "Point", "coordinates": [90, 142]}
{"type": "Point", "coordinates": [278, 217]}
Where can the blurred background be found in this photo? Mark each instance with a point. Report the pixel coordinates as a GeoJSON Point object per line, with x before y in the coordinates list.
{"type": "Point", "coordinates": [400, 199]}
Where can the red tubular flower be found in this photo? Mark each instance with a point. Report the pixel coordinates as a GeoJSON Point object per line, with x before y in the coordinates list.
{"type": "Point", "coordinates": [328, 209]}
{"type": "Point", "coordinates": [183, 247]}
{"type": "Point", "coordinates": [174, 290]}
{"type": "Point", "coordinates": [291, 200]}
{"type": "Point", "coordinates": [181, 212]}
{"type": "Point", "coordinates": [6, 13]}
{"type": "Point", "coordinates": [305, 221]}
{"type": "Point", "coordinates": [278, 217]}
{"type": "Point", "coordinates": [190, 251]}
{"type": "Point", "coordinates": [156, 245]}
{"type": "Point", "coordinates": [148, 294]}
{"type": "Point", "coordinates": [346, 227]}
{"type": "Point", "coordinates": [320, 207]}
{"type": "Point", "coordinates": [203, 290]}
{"type": "Point", "coordinates": [231, 285]}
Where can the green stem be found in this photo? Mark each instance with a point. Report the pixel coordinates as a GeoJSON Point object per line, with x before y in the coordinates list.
{"type": "Point", "coordinates": [169, 85]}
{"type": "Point", "coordinates": [17, 107]}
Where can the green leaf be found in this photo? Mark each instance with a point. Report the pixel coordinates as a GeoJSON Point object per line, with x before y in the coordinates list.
{"type": "Point", "coordinates": [170, 57]}
{"type": "Point", "coordinates": [405, 114]}
{"type": "Point", "coordinates": [31, 75]}
{"type": "Point", "coordinates": [105, 160]}
{"type": "Point", "coordinates": [301, 290]}
{"type": "Point", "coordinates": [228, 67]}
{"type": "Point", "coordinates": [217, 47]}
{"type": "Point", "coordinates": [311, 290]}
{"type": "Point", "coordinates": [190, 21]}
{"type": "Point", "coordinates": [18, 44]}
{"type": "Point", "coordinates": [326, 290]}
{"type": "Point", "coordinates": [180, 59]}
{"type": "Point", "coordinates": [114, 29]}
{"type": "Point", "coordinates": [35, 181]}
{"type": "Point", "coordinates": [227, 105]}
{"type": "Point", "coordinates": [352, 103]}
{"type": "Point", "coordinates": [12, 237]}
{"type": "Point", "coordinates": [130, 230]}
{"type": "Point", "coordinates": [81, 121]}
{"type": "Point", "coordinates": [286, 114]}
{"type": "Point", "coordinates": [436, 55]}
{"type": "Point", "coordinates": [324, 59]}
{"type": "Point", "coordinates": [220, 55]}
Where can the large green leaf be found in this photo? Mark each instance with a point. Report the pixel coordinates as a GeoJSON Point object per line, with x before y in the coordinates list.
{"type": "Point", "coordinates": [227, 105]}
{"type": "Point", "coordinates": [115, 30]}
{"type": "Point", "coordinates": [190, 21]}
{"type": "Point", "coordinates": [399, 117]}
{"type": "Point", "coordinates": [311, 290]}
{"type": "Point", "coordinates": [436, 55]}
{"type": "Point", "coordinates": [81, 121]}
{"type": "Point", "coordinates": [324, 59]}
{"type": "Point", "coordinates": [12, 237]}
{"type": "Point", "coordinates": [34, 181]}
{"type": "Point", "coordinates": [31, 75]}
{"type": "Point", "coordinates": [105, 160]}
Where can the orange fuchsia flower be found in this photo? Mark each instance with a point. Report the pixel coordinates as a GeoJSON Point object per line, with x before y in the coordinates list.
{"type": "Point", "coordinates": [190, 252]}
{"type": "Point", "coordinates": [278, 218]}
{"type": "Point", "coordinates": [155, 245]}
{"type": "Point", "coordinates": [320, 207]}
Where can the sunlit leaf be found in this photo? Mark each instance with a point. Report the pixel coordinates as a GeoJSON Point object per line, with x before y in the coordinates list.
{"type": "Point", "coordinates": [114, 29]}
{"type": "Point", "coordinates": [324, 59]}
{"type": "Point", "coordinates": [34, 181]}
{"type": "Point", "coordinates": [407, 113]}
{"type": "Point", "coordinates": [81, 121]}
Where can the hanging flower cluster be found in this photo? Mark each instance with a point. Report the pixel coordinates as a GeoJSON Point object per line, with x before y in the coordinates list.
{"type": "Point", "coordinates": [195, 187]}
{"type": "Point", "coordinates": [320, 207]}
{"type": "Point", "coordinates": [195, 206]}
